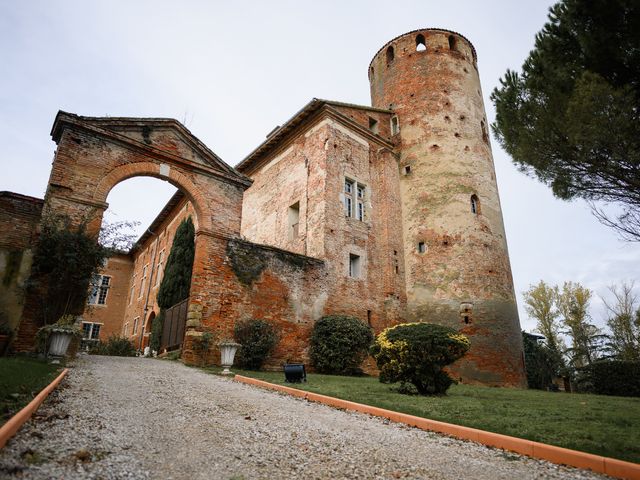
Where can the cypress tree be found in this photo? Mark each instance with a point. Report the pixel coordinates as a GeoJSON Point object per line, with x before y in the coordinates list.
{"type": "Point", "coordinates": [176, 282]}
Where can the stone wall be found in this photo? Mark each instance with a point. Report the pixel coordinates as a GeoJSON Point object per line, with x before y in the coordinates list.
{"type": "Point", "coordinates": [19, 219]}
{"type": "Point", "coordinates": [456, 260]}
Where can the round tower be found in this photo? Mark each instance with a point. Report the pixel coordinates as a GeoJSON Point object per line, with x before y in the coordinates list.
{"type": "Point", "coordinates": [455, 251]}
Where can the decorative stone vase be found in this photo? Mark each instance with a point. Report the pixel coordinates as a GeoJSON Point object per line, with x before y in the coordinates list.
{"type": "Point", "coordinates": [227, 354]}
{"type": "Point", "coordinates": [59, 342]}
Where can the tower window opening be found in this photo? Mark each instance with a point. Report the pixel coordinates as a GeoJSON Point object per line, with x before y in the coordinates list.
{"type": "Point", "coordinates": [485, 135]}
{"type": "Point", "coordinates": [407, 169]}
{"type": "Point", "coordinates": [354, 266]}
{"type": "Point", "coordinates": [395, 125]}
{"type": "Point", "coordinates": [422, 247]}
{"type": "Point", "coordinates": [373, 125]}
{"type": "Point", "coordinates": [452, 42]}
{"type": "Point", "coordinates": [475, 204]}
{"type": "Point", "coordinates": [354, 200]}
{"type": "Point", "coordinates": [466, 319]}
{"type": "Point", "coordinates": [421, 45]}
{"type": "Point", "coordinates": [390, 55]}
{"type": "Point", "coordinates": [294, 220]}
{"type": "Point", "coordinates": [369, 317]}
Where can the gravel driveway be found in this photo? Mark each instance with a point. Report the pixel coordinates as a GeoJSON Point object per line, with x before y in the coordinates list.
{"type": "Point", "coordinates": [117, 418]}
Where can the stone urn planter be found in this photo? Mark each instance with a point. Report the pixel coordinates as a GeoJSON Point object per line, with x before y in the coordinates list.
{"type": "Point", "coordinates": [59, 341]}
{"type": "Point", "coordinates": [227, 354]}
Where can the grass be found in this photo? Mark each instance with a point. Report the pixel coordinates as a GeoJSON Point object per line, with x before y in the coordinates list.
{"type": "Point", "coordinates": [597, 424]}
{"type": "Point", "coordinates": [21, 379]}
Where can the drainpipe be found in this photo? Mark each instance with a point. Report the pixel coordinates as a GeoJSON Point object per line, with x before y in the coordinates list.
{"type": "Point", "coordinates": [146, 300]}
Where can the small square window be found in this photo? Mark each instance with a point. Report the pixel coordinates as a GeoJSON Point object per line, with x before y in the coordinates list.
{"type": "Point", "coordinates": [407, 169]}
{"type": "Point", "coordinates": [395, 125]}
{"type": "Point", "coordinates": [422, 247]}
{"type": "Point", "coordinates": [354, 266]}
{"type": "Point", "coordinates": [373, 125]}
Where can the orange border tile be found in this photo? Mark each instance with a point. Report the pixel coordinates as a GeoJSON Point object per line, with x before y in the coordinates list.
{"type": "Point", "coordinates": [550, 453]}
{"type": "Point", "coordinates": [10, 428]}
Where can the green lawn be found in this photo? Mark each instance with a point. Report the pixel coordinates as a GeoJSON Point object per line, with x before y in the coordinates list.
{"type": "Point", "coordinates": [21, 379]}
{"type": "Point", "coordinates": [603, 425]}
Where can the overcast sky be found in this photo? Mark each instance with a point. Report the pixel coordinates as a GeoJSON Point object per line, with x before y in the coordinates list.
{"type": "Point", "coordinates": [232, 71]}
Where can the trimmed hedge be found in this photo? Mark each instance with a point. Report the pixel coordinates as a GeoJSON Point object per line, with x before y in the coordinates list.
{"type": "Point", "coordinates": [115, 346]}
{"type": "Point", "coordinates": [258, 339]}
{"type": "Point", "coordinates": [416, 353]}
{"type": "Point", "coordinates": [339, 344]}
{"type": "Point", "coordinates": [610, 377]}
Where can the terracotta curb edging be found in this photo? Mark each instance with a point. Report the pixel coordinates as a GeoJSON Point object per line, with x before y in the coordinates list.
{"type": "Point", "coordinates": [562, 456]}
{"type": "Point", "coordinates": [10, 428]}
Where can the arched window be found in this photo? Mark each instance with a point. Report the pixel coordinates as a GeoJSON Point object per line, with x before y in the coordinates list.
{"type": "Point", "coordinates": [475, 204]}
{"type": "Point", "coordinates": [390, 54]}
{"type": "Point", "coordinates": [452, 42]}
{"type": "Point", "coordinates": [421, 45]}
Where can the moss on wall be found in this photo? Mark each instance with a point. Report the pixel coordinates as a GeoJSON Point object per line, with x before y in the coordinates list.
{"type": "Point", "coordinates": [12, 268]}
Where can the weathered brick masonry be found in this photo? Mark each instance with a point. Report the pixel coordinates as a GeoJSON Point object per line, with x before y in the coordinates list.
{"type": "Point", "coordinates": [389, 213]}
{"type": "Point", "coordinates": [19, 220]}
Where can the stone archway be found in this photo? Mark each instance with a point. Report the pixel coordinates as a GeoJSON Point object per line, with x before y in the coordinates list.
{"type": "Point", "coordinates": [96, 153]}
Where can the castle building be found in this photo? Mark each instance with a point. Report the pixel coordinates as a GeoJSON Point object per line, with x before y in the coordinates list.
{"type": "Point", "coordinates": [388, 212]}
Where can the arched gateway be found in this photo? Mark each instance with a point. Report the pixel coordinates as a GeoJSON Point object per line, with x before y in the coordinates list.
{"type": "Point", "coordinates": [95, 154]}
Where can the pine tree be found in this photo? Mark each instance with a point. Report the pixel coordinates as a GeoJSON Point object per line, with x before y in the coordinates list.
{"type": "Point", "coordinates": [571, 117]}
{"type": "Point", "coordinates": [176, 281]}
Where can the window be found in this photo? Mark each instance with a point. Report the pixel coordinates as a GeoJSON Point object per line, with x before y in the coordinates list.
{"type": "Point", "coordinates": [91, 331]}
{"type": "Point", "coordinates": [452, 42]}
{"type": "Point", "coordinates": [98, 290]}
{"type": "Point", "coordinates": [390, 55]}
{"type": "Point", "coordinates": [135, 325]}
{"type": "Point", "coordinates": [294, 220]}
{"type": "Point", "coordinates": [475, 204]}
{"type": "Point", "coordinates": [360, 200]}
{"type": "Point", "coordinates": [395, 125]}
{"type": "Point", "coordinates": [143, 280]}
{"type": "Point", "coordinates": [485, 135]}
{"type": "Point", "coordinates": [354, 200]}
{"type": "Point", "coordinates": [373, 125]}
{"type": "Point", "coordinates": [421, 45]}
{"type": "Point", "coordinates": [407, 169]}
{"type": "Point", "coordinates": [133, 289]}
{"type": "Point", "coordinates": [422, 247]}
{"type": "Point", "coordinates": [160, 265]}
{"type": "Point", "coordinates": [354, 265]}
{"type": "Point", "coordinates": [125, 329]}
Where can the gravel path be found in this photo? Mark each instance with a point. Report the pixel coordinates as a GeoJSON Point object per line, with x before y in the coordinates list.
{"type": "Point", "coordinates": [136, 418]}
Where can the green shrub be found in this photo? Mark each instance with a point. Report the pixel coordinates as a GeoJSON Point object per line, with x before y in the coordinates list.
{"type": "Point", "coordinates": [610, 377]}
{"type": "Point", "coordinates": [339, 344]}
{"type": "Point", "coordinates": [416, 353]}
{"type": "Point", "coordinates": [540, 364]}
{"type": "Point", "coordinates": [156, 332]}
{"type": "Point", "coordinates": [258, 339]}
{"type": "Point", "coordinates": [115, 346]}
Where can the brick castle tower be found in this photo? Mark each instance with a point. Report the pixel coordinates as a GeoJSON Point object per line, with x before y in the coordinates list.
{"type": "Point", "coordinates": [456, 259]}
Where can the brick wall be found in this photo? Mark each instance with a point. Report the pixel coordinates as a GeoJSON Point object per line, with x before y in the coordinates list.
{"type": "Point", "coordinates": [19, 219]}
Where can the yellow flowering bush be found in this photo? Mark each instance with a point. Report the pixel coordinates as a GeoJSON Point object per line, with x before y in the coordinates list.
{"type": "Point", "coordinates": [416, 353]}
